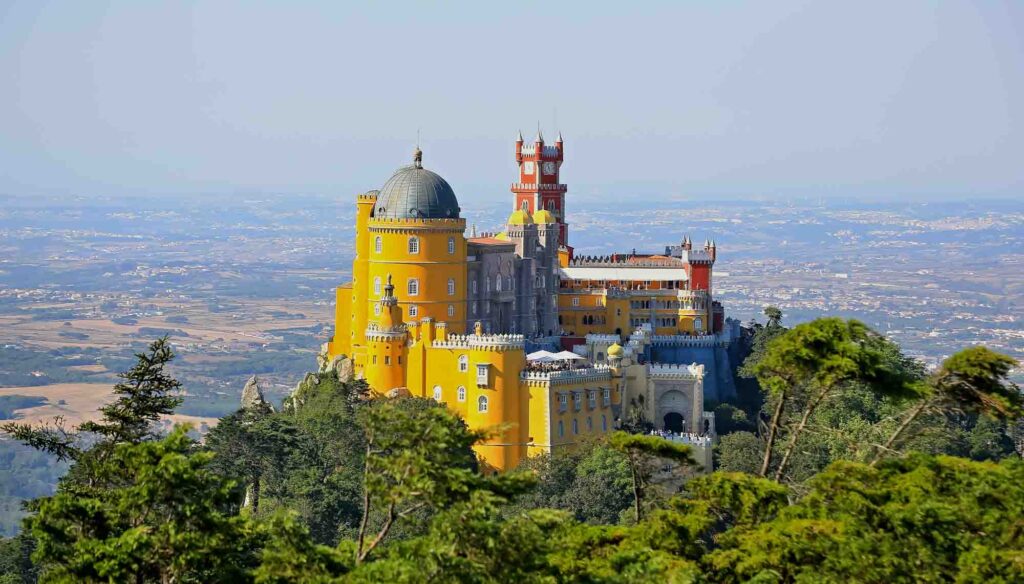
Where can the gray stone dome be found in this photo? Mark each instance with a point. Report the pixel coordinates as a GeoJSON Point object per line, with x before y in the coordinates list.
{"type": "Point", "coordinates": [414, 192]}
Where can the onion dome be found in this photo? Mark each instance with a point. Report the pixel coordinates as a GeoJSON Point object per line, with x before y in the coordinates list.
{"type": "Point", "coordinates": [543, 216]}
{"type": "Point", "coordinates": [414, 192]}
{"type": "Point", "coordinates": [520, 217]}
{"type": "Point", "coordinates": [615, 350]}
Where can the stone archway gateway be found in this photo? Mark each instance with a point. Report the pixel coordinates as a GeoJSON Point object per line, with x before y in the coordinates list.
{"type": "Point", "coordinates": [674, 422]}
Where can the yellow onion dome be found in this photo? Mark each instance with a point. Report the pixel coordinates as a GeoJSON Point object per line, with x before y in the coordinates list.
{"type": "Point", "coordinates": [543, 216]}
{"type": "Point", "coordinates": [615, 350]}
{"type": "Point", "coordinates": [520, 217]}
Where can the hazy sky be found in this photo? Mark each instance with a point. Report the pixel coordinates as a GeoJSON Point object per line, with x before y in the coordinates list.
{"type": "Point", "coordinates": [854, 99]}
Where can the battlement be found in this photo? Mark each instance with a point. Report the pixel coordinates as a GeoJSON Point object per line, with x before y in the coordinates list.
{"type": "Point", "coordinates": [624, 261]}
{"type": "Point", "coordinates": [674, 371]}
{"type": "Point", "coordinates": [597, 338]}
{"type": "Point", "coordinates": [376, 332]}
{"type": "Point", "coordinates": [692, 340]}
{"type": "Point", "coordinates": [568, 376]}
{"type": "Point", "coordinates": [499, 342]}
{"type": "Point", "coordinates": [530, 187]}
{"type": "Point", "coordinates": [370, 197]}
{"type": "Point", "coordinates": [454, 224]}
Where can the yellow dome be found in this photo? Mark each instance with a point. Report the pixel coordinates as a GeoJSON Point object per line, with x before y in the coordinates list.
{"type": "Point", "coordinates": [520, 217]}
{"type": "Point", "coordinates": [543, 216]}
{"type": "Point", "coordinates": [502, 235]}
{"type": "Point", "coordinates": [615, 350]}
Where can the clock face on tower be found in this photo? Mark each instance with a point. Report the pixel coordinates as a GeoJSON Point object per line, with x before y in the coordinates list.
{"type": "Point", "coordinates": [549, 168]}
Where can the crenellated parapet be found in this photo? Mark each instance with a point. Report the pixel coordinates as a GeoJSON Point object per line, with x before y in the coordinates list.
{"type": "Point", "coordinates": [402, 225]}
{"type": "Point", "coordinates": [691, 340]}
{"type": "Point", "coordinates": [386, 333]}
{"type": "Point", "coordinates": [566, 377]}
{"type": "Point", "coordinates": [692, 371]}
{"type": "Point", "coordinates": [597, 338]}
{"type": "Point", "coordinates": [624, 260]}
{"type": "Point", "coordinates": [498, 342]}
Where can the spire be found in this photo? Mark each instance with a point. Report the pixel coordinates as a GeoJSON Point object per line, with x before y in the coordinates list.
{"type": "Point", "coordinates": [540, 136]}
{"type": "Point", "coordinates": [389, 294]}
{"type": "Point", "coordinates": [559, 140]}
{"type": "Point", "coordinates": [519, 138]}
{"type": "Point", "coordinates": [473, 233]}
{"type": "Point", "coordinates": [417, 158]}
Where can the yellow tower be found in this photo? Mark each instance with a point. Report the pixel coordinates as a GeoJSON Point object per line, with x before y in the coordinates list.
{"type": "Point", "coordinates": [387, 349]}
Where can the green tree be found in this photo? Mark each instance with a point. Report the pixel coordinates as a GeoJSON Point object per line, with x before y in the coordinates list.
{"type": "Point", "coordinates": [418, 456]}
{"type": "Point", "coordinates": [159, 519]}
{"type": "Point", "coordinates": [145, 394]}
{"type": "Point", "coordinates": [974, 380]}
{"type": "Point", "coordinates": [641, 452]}
{"type": "Point", "coordinates": [774, 315]}
{"type": "Point", "coordinates": [818, 359]}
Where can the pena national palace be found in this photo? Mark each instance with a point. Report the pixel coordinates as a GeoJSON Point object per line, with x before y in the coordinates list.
{"type": "Point", "coordinates": [515, 331]}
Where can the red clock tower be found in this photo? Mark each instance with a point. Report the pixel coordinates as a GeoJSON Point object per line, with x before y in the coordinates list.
{"type": "Point", "coordinates": [538, 186]}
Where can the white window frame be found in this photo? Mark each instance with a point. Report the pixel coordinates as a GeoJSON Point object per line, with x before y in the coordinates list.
{"type": "Point", "coordinates": [451, 286]}
{"type": "Point", "coordinates": [378, 244]}
{"type": "Point", "coordinates": [451, 246]}
{"type": "Point", "coordinates": [376, 286]}
{"type": "Point", "coordinates": [414, 245]}
{"type": "Point", "coordinates": [575, 300]}
{"type": "Point", "coordinates": [463, 363]}
{"type": "Point", "coordinates": [483, 374]}
{"type": "Point", "coordinates": [461, 393]}
{"type": "Point", "coordinates": [414, 310]}
{"type": "Point", "coordinates": [376, 309]}
{"type": "Point", "coordinates": [412, 287]}
{"type": "Point", "coordinates": [607, 397]}
{"type": "Point", "coordinates": [482, 404]}
{"type": "Point", "coordinates": [437, 393]}
{"type": "Point", "coordinates": [451, 310]}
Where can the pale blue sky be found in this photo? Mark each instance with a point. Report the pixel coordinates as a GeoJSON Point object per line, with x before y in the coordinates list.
{"type": "Point", "coordinates": [736, 99]}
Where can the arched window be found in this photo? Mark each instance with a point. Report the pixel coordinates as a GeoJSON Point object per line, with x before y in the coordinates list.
{"type": "Point", "coordinates": [463, 364]}
{"type": "Point", "coordinates": [472, 287]}
{"type": "Point", "coordinates": [414, 244]}
{"type": "Point", "coordinates": [697, 324]}
{"type": "Point", "coordinates": [437, 393]}
{"type": "Point", "coordinates": [451, 310]}
{"type": "Point", "coordinates": [451, 246]}
{"type": "Point", "coordinates": [461, 393]}
{"type": "Point", "coordinates": [414, 287]}
{"type": "Point", "coordinates": [497, 283]}
{"type": "Point", "coordinates": [561, 428]}
{"type": "Point", "coordinates": [481, 404]}
{"type": "Point", "coordinates": [526, 206]}
{"type": "Point", "coordinates": [451, 286]}
{"type": "Point", "coordinates": [575, 427]}
{"type": "Point", "coordinates": [551, 205]}
{"type": "Point", "coordinates": [378, 244]}
{"type": "Point", "coordinates": [414, 310]}
{"type": "Point", "coordinates": [376, 285]}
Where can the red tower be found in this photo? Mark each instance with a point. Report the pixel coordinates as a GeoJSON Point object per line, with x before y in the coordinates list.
{"type": "Point", "coordinates": [538, 186]}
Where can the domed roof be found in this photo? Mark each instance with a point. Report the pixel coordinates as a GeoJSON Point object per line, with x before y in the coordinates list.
{"type": "Point", "coordinates": [543, 216]}
{"type": "Point", "coordinates": [615, 350]}
{"type": "Point", "coordinates": [414, 192]}
{"type": "Point", "coordinates": [520, 217]}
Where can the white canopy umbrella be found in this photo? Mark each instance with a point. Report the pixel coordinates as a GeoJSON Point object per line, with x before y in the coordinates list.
{"type": "Point", "coordinates": [567, 356]}
{"type": "Point", "coordinates": [541, 357]}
